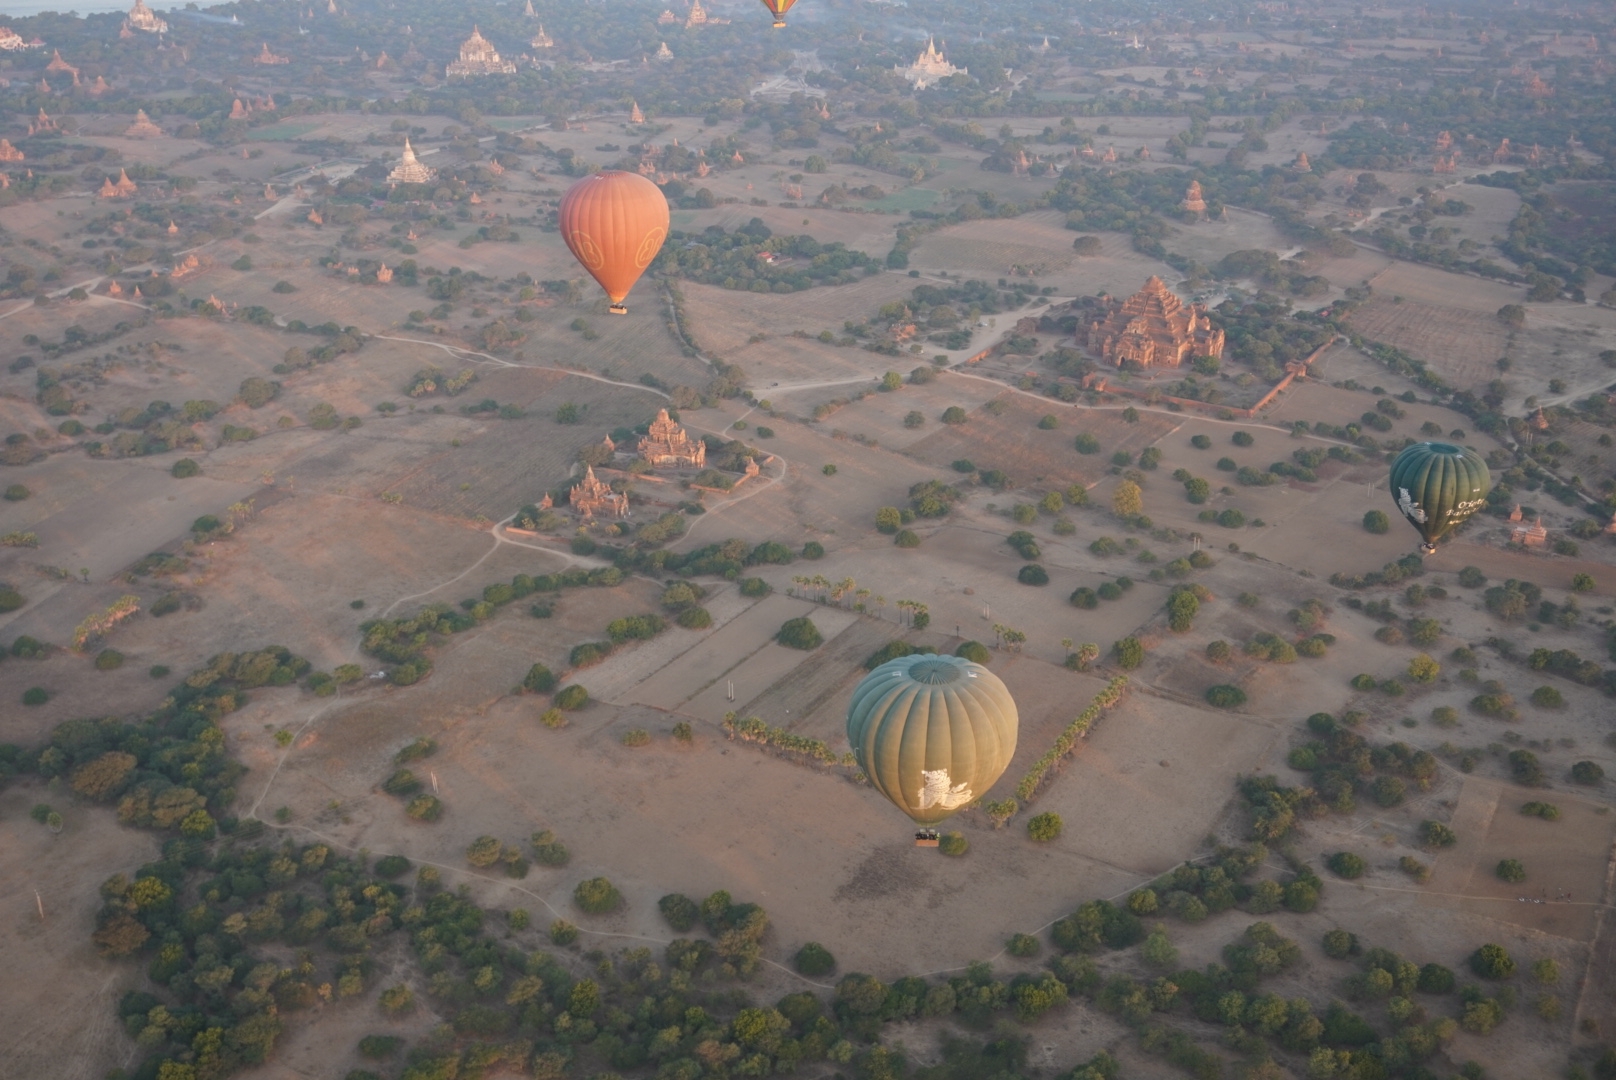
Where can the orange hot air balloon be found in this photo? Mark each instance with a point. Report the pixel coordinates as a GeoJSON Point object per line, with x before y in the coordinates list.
{"type": "Point", "coordinates": [614, 224]}
{"type": "Point", "coordinates": [778, 9]}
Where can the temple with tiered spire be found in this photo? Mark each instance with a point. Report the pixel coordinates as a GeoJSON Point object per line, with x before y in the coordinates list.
{"type": "Point", "coordinates": [144, 19]}
{"type": "Point", "coordinates": [268, 58]}
{"type": "Point", "coordinates": [541, 40]}
{"type": "Point", "coordinates": [666, 445]}
{"type": "Point", "coordinates": [930, 67]}
{"type": "Point", "coordinates": [479, 57]}
{"type": "Point", "coordinates": [142, 128]}
{"type": "Point", "coordinates": [409, 169]}
{"type": "Point", "coordinates": [1153, 328]}
{"type": "Point", "coordinates": [593, 494]}
{"type": "Point", "coordinates": [1194, 201]}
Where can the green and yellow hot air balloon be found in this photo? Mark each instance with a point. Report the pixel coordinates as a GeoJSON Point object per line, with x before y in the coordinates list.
{"type": "Point", "coordinates": [932, 733]}
{"type": "Point", "coordinates": [1437, 487]}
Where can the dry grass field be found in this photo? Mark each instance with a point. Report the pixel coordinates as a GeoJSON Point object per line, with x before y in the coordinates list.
{"type": "Point", "coordinates": [317, 550]}
{"type": "Point", "coordinates": [1013, 442]}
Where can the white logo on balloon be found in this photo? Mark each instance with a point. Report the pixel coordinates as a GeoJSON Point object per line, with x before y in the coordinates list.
{"type": "Point", "coordinates": [936, 790]}
{"type": "Point", "coordinates": [1405, 503]}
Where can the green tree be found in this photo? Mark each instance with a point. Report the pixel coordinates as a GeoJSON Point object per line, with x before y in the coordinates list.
{"type": "Point", "coordinates": [1376, 521]}
{"type": "Point", "coordinates": [888, 519]}
{"type": "Point", "coordinates": [799, 633]}
{"type": "Point", "coordinates": [814, 960]}
{"type": "Point", "coordinates": [1045, 826]}
{"type": "Point", "coordinates": [1423, 669]}
{"type": "Point", "coordinates": [954, 415]}
{"type": "Point", "coordinates": [597, 896]}
{"type": "Point", "coordinates": [1492, 962]}
{"type": "Point", "coordinates": [1127, 501]}
{"type": "Point", "coordinates": [1129, 652]}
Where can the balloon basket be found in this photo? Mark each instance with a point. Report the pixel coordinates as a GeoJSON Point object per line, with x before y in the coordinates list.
{"type": "Point", "coordinates": [618, 309]}
{"type": "Point", "coordinates": [927, 838]}
{"type": "Point", "coordinates": [779, 24]}
{"type": "Point", "coordinates": [1427, 549]}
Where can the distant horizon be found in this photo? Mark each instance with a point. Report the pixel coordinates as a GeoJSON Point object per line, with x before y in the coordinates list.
{"type": "Point", "coordinates": [21, 9]}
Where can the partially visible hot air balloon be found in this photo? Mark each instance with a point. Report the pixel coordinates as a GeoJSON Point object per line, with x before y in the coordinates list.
{"type": "Point", "coordinates": [778, 9]}
{"type": "Point", "coordinates": [932, 733]}
{"type": "Point", "coordinates": [1437, 487]}
{"type": "Point", "coordinates": [614, 223]}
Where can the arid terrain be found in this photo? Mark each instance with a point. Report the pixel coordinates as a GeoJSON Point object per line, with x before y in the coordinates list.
{"type": "Point", "coordinates": [227, 429]}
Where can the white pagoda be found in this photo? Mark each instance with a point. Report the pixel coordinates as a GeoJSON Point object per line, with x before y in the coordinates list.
{"type": "Point", "coordinates": [929, 68]}
{"type": "Point", "coordinates": [409, 169]}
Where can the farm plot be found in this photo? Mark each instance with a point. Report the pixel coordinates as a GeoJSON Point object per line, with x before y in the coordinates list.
{"type": "Point", "coordinates": [725, 320]}
{"type": "Point", "coordinates": [504, 464]}
{"type": "Point", "coordinates": [1463, 346]}
{"type": "Point", "coordinates": [1013, 442]}
{"type": "Point", "coordinates": [1555, 855]}
{"type": "Point", "coordinates": [1040, 244]}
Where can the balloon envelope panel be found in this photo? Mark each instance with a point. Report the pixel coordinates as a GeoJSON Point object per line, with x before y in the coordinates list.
{"type": "Point", "coordinates": [933, 733]}
{"type": "Point", "coordinates": [1437, 486]}
{"type": "Point", "coordinates": [614, 224]}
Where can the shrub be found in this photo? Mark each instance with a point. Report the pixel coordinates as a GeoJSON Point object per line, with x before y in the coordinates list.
{"type": "Point", "coordinates": [1548, 697]}
{"type": "Point", "coordinates": [1045, 826]}
{"type": "Point", "coordinates": [1224, 696]}
{"type": "Point", "coordinates": [953, 843]}
{"type": "Point", "coordinates": [571, 698]}
{"type": "Point", "coordinates": [17, 493]}
{"type": "Point", "coordinates": [563, 932]}
{"type": "Point", "coordinates": [813, 959]}
{"type": "Point", "coordinates": [1084, 597]}
{"type": "Point", "coordinates": [1347, 864]}
{"type": "Point", "coordinates": [1587, 772]}
{"type": "Point", "coordinates": [636, 737]}
{"type": "Point", "coordinates": [484, 851]}
{"type": "Point", "coordinates": [813, 549]}
{"type": "Point", "coordinates": [1376, 521]}
{"type": "Point", "coordinates": [755, 586]}
{"type": "Point", "coordinates": [108, 660]}
{"type": "Point", "coordinates": [975, 652]}
{"type": "Point", "coordinates": [1242, 438]}
{"type": "Point", "coordinates": [695, 618]}
{"type": "Point", "coordinates": [539, 679]}
{"type": "Point", "coordinates": [1387, 791]}
{"type": "Point", "coordinates": [1546, 811]}
{"type": "Point", "coordinates": [680, 911]}
{"type": "Point", "coordinates": [185, 468]}
{"type": "Point", "coordinates": [1437, 835]}
{"type": "Point", "coordinates": [1022, 945]}
{"type": "Point", "coordinates": [1218, 651]}
{"type": "Point", "coordinates": [1129, 653]}
{"type": "Point", "coordinates": [907, 538]}
{"type": "Point", "coordinates": [35, 695]}
{"type": "Point", "coordinates": [553, 718]}
{"type": "Point", "coordinates": [1492, 962]}
{"type": "Point", "coordinates": [953, 415]}
{"type": "Point", "coordinates": [597, 896]}
{"type": "Point", "coordinates": [424, 808]}
{"type": "Point", "coordinates": [379, 1046]}
{"type": "Point", "coordinates": [1340, 944]}
{"type": "Point", "coordinates": [888, 519]}
{"type": "Point", "coordinates": [799, 633]}
{"type": "Point", "coordinates": [1415, 869]}
{"type": "Point", "coordinates": [547, 850]}
{"type": "Point", "coordinates": [1033, 574]}
{"type": "Point", "coordinates": [1087, 444]}
{"type": "Point", "coordinates": [391, 866]}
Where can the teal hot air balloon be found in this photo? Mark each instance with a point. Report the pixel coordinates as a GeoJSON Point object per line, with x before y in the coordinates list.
{"type": "Point", "coordinates": [932, 733]}
{"type": "Point", "coordinates": [1438, 486]}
